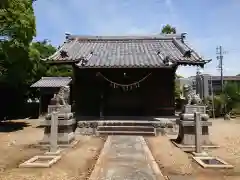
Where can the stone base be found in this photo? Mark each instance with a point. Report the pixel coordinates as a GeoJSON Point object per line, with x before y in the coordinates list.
{"type": "Point", "coordinates": [60, 145]}
{"type": "Point", "coordinates": [191, 148]}
{"type": "Point", "coordinates": [53, 153]}
{"type": "Point", "coordinates": [219, 163]}
{"type": "Point", "coordinates": [186, 134]}
{"type": "Point", "coordinates": [189, 139]}
{"type": "Point", "coordinates": [69, 122]}
{"type": "Point", "coordinates": [202, 154]}
{"type": "Point", "coordinates": [45, 163]}
{"type": "Point", "coordinates": [63, 138]}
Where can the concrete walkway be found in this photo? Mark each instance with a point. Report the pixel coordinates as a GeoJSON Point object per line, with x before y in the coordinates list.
{"type": "Point", "coordinates": [126, 158]}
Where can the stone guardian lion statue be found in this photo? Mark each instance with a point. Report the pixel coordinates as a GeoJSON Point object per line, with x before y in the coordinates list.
{"type": "Point", "coordinates": [191, 97]}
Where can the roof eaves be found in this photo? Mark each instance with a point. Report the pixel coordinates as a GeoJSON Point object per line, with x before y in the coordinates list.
{"type": "Point", "coordinates": [199, 62]}
{"type": "Point", "coordinates": [54, 55]}
{"type": "Point", "coordinates": [52, 62]}
{"type": "Point", "coordinates": [40, 83]}
{"type": "Point", "coordinates": [68, 44]}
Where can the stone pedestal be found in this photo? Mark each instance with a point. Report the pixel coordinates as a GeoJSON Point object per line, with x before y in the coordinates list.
{"type": "Point", "coordinates": [186, 135]}
{"type": "Point", "coordinates": [190, 109]}
{"type": "Point", "coordinates": [66, 124]}
{"type": "Point", "coordinates": [187, 130]}
{"type": "Point", "coordinates": [59, 108]}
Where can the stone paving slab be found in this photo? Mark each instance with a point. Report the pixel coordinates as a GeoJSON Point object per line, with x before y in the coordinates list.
{"type": "Point", "coordinates": [125, 158]}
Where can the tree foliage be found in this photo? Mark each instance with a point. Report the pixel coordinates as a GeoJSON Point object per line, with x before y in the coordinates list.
{"type": "Point", "coordinates": [17, 21]}
{"type": "Point", "coordinates": [21, 59]}
{"type": "Point", "coordinates": [37, 52]}
{"type": "Point", "coordinates": [226, 102]}
{"type": "Point", "coordinates": [40, 68]}
{"type": "Point", "coordinates": [215, 104]}
{"type": "Point", "coordinates": [178, 90]}
{"type": "Point", "coordinates": [60, 71]}
{"type": "Point", "coordinates": [231, 96]}
{"type": "Point", "coordinates": [168, 29]}
{"type": "Point", "coordinates": [16, 32]}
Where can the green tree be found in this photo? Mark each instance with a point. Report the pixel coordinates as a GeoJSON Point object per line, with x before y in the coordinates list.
{"type": "Point", "coordinates": [42, 50]}
{"type": "Point", "coordinates": [168, 29]}
{"type": "Point", "coordinates": [231, 96]}
{"type": "Point", "coordinates": [37, 52]}
{"type": "Point", "coordinates": [16, 32]}
{"type": "Point", "coordinates": [17, 29]}
{"type": "Point", "coordinates": [228, 101]}
{"type": "Point", "coordinates": [215, 104]}
{"type": "Point", "coordinates": [178, 90]}
{"type": "Point", "coordinates": [60, 71]}
{"type": "Point", "coordinates": [17, 21]}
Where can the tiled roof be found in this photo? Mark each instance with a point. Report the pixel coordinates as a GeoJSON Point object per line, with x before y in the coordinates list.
{"type": "Point", "coordinates": [52, 82]}
{"type": "Point", "coordinates": [126, 51]}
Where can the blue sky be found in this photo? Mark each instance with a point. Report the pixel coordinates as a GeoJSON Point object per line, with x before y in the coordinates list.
{"type": "Point", "coordinates": [208, 23]}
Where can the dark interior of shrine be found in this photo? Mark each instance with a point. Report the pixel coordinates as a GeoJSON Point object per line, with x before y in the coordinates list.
{"type": "Point", "coordinates": [111, 93]}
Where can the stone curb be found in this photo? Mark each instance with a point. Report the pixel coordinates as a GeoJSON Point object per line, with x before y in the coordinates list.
{"type": "Point", "coordinates": [151, 160]}
{"type": "Point", "coordinates": [97, 167]}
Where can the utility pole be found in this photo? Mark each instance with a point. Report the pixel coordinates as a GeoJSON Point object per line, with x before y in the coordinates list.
{"type": "Point", "coordinates": [219, 53]}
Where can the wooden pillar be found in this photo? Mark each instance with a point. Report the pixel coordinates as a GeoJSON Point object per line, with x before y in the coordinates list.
{"type": "Point", "coordinates": [102, 98]}
{"type": "Point", "coordinates": [173, 88]}
{"type": "Point", "coordinates": [40, 102]}
{"type": "Point", "coordinates": [101, 106]}
{"type": "Point", "coordinates": [73, 89]}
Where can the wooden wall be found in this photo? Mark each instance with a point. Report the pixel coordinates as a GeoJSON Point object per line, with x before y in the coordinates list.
{"type": "Point", "coordinates": [154, 97]}
{"type": "Point", "coordinates": [46, 95]}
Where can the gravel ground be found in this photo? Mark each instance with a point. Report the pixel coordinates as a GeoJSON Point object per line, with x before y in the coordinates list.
{"type": "Point", "coordinates": [16, 147]}
{"type": "Point", "coordinates": [17, 138]}
{"type": "Point", "coordinates": [173, 161]}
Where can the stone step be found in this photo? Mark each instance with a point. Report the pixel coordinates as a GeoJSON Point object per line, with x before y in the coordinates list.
{"type": "Point", "coordinates": [127, 123]}
{"type": "Point", "coordinates": [135, 133]}
{"type": "Point", "coordinates": [126, 128]}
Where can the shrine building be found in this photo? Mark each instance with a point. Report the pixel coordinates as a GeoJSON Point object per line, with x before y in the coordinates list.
{"type": "Point", "coordinates": [123, 77]}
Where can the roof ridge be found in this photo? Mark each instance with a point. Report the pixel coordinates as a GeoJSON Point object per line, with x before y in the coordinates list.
{"type": "Point", "coordinates": [132, 37]}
